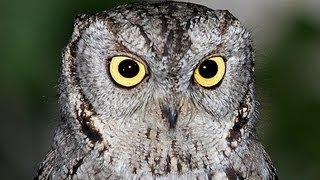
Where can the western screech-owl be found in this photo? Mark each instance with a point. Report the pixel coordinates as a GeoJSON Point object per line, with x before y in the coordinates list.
{"type": "Point", "coordinates": [157, 91]}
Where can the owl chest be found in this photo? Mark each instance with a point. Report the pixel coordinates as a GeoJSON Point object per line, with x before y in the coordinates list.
{"type": "Point", "coordinates": [160, 154]}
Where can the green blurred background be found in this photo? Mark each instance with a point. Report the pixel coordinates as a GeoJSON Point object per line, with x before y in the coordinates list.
{"type": "Point", "coordinates": [287, 38]}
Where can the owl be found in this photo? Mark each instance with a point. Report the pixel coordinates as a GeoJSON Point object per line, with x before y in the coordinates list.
{"type": "Point", "coordinates": [160, 90]}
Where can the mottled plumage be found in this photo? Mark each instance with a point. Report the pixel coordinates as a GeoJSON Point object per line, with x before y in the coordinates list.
{"type": "Point", "coordinates": [168, 126]}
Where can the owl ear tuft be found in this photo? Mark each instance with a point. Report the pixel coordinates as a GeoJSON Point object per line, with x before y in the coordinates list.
{"type": "Point", "coordinates": [82, 21]}
{"type": "Point", "coordinates": [81, 18]}
{"type": "Point", "coordinates": [227, 17]}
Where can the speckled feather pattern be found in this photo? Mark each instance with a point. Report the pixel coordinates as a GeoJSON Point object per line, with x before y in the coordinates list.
{"type": "Point", "coordinates": [111, 132]}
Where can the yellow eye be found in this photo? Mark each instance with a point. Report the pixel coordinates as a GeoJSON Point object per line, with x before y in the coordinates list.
{"type": "Point", "coordinates": [126, 71]}
{"type": "Point", "coordinates": [210, 72]}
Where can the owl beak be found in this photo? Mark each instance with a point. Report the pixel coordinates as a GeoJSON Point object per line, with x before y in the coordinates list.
{"type": "Point", "coordinates": [171, 114]}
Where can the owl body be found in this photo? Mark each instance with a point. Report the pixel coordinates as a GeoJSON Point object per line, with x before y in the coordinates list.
{"type": "Point", "coordinates": [138, 102]}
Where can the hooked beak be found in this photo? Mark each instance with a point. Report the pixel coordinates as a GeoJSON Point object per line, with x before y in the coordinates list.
{"type": "Point", "coordinates": [171, 114]}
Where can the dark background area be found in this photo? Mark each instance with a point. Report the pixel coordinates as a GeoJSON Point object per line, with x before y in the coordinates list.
{"type": "Point", "coordinates": [33, 33]}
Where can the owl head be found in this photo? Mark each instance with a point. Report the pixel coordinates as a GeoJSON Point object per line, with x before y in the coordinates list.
{"type": "Point", "coordinates": [157, 91]}
{"type": "Point", "coordinates": [176, 68]}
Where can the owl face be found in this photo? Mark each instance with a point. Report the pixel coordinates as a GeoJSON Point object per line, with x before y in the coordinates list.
{"type": "Point", "coordinates": [158, 90]}
{"type": "Point", "coordinates": [163, 65]}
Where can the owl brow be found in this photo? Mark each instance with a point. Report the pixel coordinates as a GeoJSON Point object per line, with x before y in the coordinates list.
{"type": "Point", "coordinates": [219, 51]}
{"type": "Point", "coordinates": [144, 34]}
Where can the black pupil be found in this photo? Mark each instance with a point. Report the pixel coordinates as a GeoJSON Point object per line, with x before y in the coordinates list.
{"type": "Point", "coordinates": [128, 68]}
{"type": "Point", "coordinates": [208, 69]}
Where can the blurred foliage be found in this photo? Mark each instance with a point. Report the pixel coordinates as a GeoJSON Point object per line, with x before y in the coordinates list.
{"type": "Point", "coordinates": [33, 34]}
{"type": "Point", "coordinates": [293, 73]}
